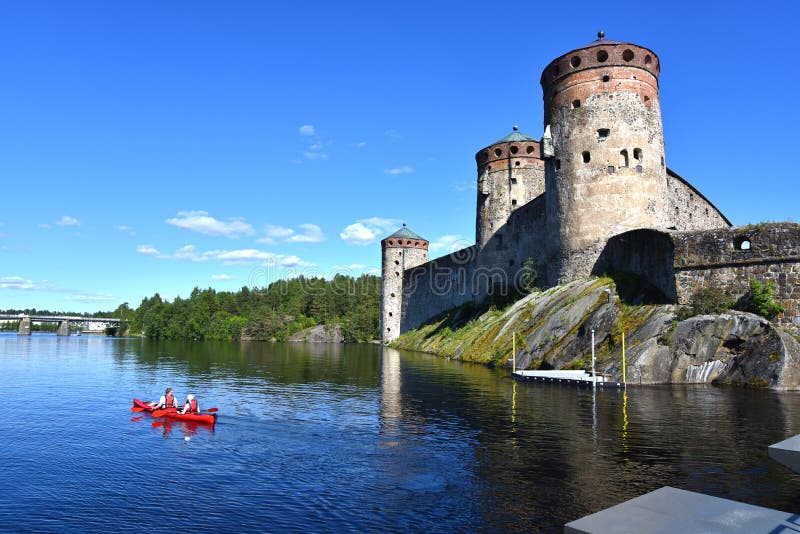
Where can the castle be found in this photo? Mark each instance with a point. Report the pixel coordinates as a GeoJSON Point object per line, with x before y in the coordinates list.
{"type": "Point", "coordinates": [593, 195]}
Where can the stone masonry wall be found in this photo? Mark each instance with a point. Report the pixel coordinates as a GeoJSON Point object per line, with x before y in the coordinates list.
{"type": "Point", "coordinates": [689, 209]}
{"type": "Point", "coordinates": [729, 257]}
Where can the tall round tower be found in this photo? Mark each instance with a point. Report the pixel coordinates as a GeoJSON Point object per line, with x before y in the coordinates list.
{"type": "Point", "coordinates": [605, 173]}
{"type": "Point", "coordinates": [400, 251]}
{"type": "Point", "coordinates": [510, 174]}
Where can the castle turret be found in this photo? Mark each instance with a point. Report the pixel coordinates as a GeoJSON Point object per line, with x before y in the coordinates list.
{"type": "Point", "coordinates": [400, 251]}
{"type": "Point", "coordinates": [510, 174]}
{"type": "Point", "coordinates": [606, 173]}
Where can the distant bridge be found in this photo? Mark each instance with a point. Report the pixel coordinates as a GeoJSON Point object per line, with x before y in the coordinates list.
{"type": "Point", "coordinates": [87, 324]}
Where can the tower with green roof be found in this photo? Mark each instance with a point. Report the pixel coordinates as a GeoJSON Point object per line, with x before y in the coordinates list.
{"type": "Point", "coordinates": [402, 250]}
{"type": "Point", "coordinates": [510, 174]}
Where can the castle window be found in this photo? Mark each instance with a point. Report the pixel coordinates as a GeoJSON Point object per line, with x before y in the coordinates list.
{"type": "Point", "coordinates": [602, 56]}
{"type": "Point", "coordinates": [662, 161]}
{"type": "Point", "coordinates": [627, 55]}
{"type": "Point", "coordinates": [416, 243]}
{"type": "Point", "coordinates": [396, 262]}
{"type": "Point", "coordinates": [647, 59]}
{"type": "Point", "coordinates": [514, 180]}
{"type": "Point", "coordinates": [529, 150]}
{"type": "Point", "coordinates": [706, 212]}
{"type": "Point", "coordinates": [606, 78]}
{"type": "Point", "coordinates": [586, 157]}
{"type": "Point", "coordinates": [516, 163]}
{"type": "Point", "coordinates": [497, 152]}
{"type": "Point", "coordinates": [610, 169]}
{"type": "Point", "coordinates": [576, 104]}
{"type": "Point", "coordinates": [391, 314]}
{"type": "Point", "coordinates": [558, 164]}
{"type": "Point", "coordinates": [392, 295]}
{"type": "Point", "coordinates": [514, 149]}
{"type": "Point", "coordinates": [603, 133]}
{"type": "Point", "coordinates": [513, 201]}
{"type": "Point", "coordinates": [647, 100]}
{"type": "Point", "coordinates": [742, 243]}
{"type": "Point", "coordinates": [624, 154]}
{"type": "Point", "coordinates": [637, 154]}
{"type": "Point", "coordinates": [575, 62]}
{"type": "Point", "coordinates": [388, 329]}
{"type": "Point", "coordinates": [396, 273]}
{"type": "Point", "coordinates": [639, 171]}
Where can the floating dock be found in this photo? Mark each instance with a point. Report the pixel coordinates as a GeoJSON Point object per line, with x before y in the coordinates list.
{"type": "Point", "coordinates": [787, 452]}
{"type": "Point", "coordinates": [575, 378]}
{"type": "Point", "coordinates": [669, 510]}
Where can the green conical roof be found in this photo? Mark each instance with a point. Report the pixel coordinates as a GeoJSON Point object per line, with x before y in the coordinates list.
{"type": "Point", "coordinates": [514, 136]}
{"type": "Point", "coordinates": [406, 234]}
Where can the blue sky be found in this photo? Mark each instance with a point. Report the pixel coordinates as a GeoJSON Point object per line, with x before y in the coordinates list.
{"type": "Point", "coordinates": [158, 146]}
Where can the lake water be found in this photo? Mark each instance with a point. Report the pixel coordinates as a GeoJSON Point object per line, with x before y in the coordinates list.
{"type": "Point", "coordinates": [354, 438]}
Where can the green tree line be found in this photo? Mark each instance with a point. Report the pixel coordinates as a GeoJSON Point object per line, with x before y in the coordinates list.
{"type": "Point", "coordinates": [275, 312]}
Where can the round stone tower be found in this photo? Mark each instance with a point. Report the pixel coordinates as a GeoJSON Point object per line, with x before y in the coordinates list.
{"type": "Point", "coordinates": [400, 251]}
{"type": "Point", "coordinates": [605, 171]}
{"type": "Point", "coordinates": [510, 174]}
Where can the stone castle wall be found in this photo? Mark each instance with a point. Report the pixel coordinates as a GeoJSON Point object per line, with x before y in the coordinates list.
{"type": "Point", "coordinates": [689, 209]}
{"type": "Point", "coordinates": [680, 263]}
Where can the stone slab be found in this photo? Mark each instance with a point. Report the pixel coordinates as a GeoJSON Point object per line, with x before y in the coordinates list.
{"type": "Point", "coordinates": [670, 510]}
{"type": "Point", "coordinates": [787, 452]}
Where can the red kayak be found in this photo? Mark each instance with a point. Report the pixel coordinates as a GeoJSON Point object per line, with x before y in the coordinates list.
{"type": "Point", "coordinates": [172, 413]}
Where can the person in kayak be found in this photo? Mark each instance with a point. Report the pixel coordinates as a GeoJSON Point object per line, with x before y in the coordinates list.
{"type": "Point", "coordinates": [167, 400]}
{"type": "Point", "coordinates": [191, 406]}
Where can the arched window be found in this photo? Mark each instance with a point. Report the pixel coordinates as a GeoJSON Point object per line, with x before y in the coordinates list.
{"type": "Point", "coordinates": [624, 158]}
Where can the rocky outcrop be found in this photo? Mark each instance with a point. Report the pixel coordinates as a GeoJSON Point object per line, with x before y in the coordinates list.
{"type": "Point", "coordinates": [319, 334]}
{"type": "Point", "coordinates": [553, 330]}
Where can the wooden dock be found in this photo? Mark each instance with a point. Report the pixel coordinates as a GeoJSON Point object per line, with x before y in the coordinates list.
{"type": "Point", "coordinates": [573, 378]}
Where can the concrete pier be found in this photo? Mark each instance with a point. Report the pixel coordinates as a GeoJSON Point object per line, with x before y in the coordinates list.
{"type": "Point", "coordinates": [63, 328]}
{"type": "Point", "coordinates": [25, 324]}
{"type": "Point", "coordinates": [787, 452]}
{"type": "Point", "coordinates": [669, 510]}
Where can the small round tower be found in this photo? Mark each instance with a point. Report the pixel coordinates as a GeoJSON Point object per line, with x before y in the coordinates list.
{"type": "Point", "coordinates": [605, 173]}
{"type": "Point", "coordinates": [400, 251]}
{"type": "Point", "coordinates": [510, 174]}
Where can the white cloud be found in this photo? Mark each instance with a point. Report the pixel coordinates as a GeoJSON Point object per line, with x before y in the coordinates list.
{"type": "Point", "coordinates": [405, 169]}
{"type": "Point", "coordinates": [125, 228]}
{"type": "Point", "coordinates": [311, 234]}
{"type": "Point", "coordinates": [202, 222]}
{"type": "Point", "coordinates": [306, 129]}
{"type": "Point", "coordinates": [314, 155]}
{"type": "Point", "coordinates": [222, 277]}
{"type": "Point", "coordinates": [366, 231]}
{"type": "Point", "coordinates": [17, 282]}
{"type": "Point", "coordinates": [66, 220]}
{"type": "Point", "coordinates": [148, 250]}
{"type": "Point", "coordinates": [293, 262]}
{"type": "Point", "coordinates": [391, 132]}
{"type": "Point", "coordinates": [449, 243]}
{"type": "Point", "coordinates": [361, 144]}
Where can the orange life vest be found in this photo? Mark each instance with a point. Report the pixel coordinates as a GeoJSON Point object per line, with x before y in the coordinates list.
{"type": "Point", "coordinates": [169, 400]}
{"type": "Point", "coordinates": [193, 405]}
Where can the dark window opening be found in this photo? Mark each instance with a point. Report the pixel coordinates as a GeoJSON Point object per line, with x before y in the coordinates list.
{"type": "Point", "coordinates": [624, 154]}
{"type": "Point", "coordinates": [742, 243]}
{"type": "Point", "coordinates": [586, 157]}
{"type": "Point", "coordinates": [514, 149]}
{"type": "Point", "coordinates": [627, 55]}
{"type": "Point", "coordinates": [575, 62]}
{"type": "Point", "coordinates": [396, 262]}
{"type": "Point", "coordinates": [662, 161]}
{"type": "Point", "coordinates": [576, 104]}
{"type": "Point", "coordinates": [606, 78]}
{"type": "Point", "coordinates": [637, 154]}
{"type": "Point", "coordinates": [497, 152]}
{"type": "Point", "coordinates": [639, 170]}
{"type": "Point", "coordinates": [602, 56]}
{"type": "Point", "coordinates": [514, 180]}
{"type": "Point", "coordinates": [647, 59]}
{"type": "Point", "coordinates": [603, 132]}
{"type": "Point", "coordinates": [396, 273]}
{"type": "Point", "coordinates": [388, 329]}
{"type": "Point", "coordinates": [529, 150]}
{"type": "Point", "coordinates": [516, 163]}
{"type": "Point", "coordinates": [390, 314]}
{"type": "Point", "coordinates": [610, 169]}
{"type": "Point", "coordinates": [558, 164]}
{"type": "Point", "coordinates": [513, 201]}
{"type": "Point", "coordinates": [646, 99]}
